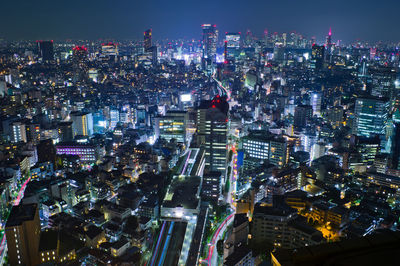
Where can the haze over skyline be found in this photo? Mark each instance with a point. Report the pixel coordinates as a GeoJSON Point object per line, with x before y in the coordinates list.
{"type": "Point", "coordinates": [123, 19]}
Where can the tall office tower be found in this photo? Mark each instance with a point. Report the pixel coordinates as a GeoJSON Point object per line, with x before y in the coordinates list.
{"type": "Point", "coordinates": [23, 235]}
{"type": "Point", "coordinates": [65, 131]}
{"type": "Point", "coordinates": [302, 114]}
{"type": "Point", "coordinates": [316, 102]}
{"type": "Point", "coordinates": [33, 132]}
{"type": "Point", "coordinates": [328, 43]}
{"type": "Point", "coordinates": [279, 53]}
{"type": "Point", "coordinates": [114, 118]}
{"type": "Point", "coordinates": [249, 38]}
{"type": "Point", "coordinates": [317, 57]}
{"type": "Point", "coordinates": [383, 81]}
{"type": "Point", "coordinates": [109, 49]}
{"type": "Point", "coordinates": [210, 38]}
{"type": "Point", "coordinates": [284, 39]}
{"type": "Point", "coordinates": [266, 38]}
{"type": "Point", "coordinates": [212, 128]}
{"type": "Point", "coordinates": [172, 126]}
{"type": "Point", "coordinates": [79, 61]}
{"type": "Point", "coordinates": [226, 52]}
{"type": "Point", "coordinates": [45, 49]}
{"type": "Point", "coordinates": [147, 40]}
{"type": "Point", "coordinates": [82, 123]}
{"type": "Point", "coordinates": [371, 115]}
{"type": "Point", "coordinates": [368, 148]}
{"type": "Point", "coordinates": [335, 116]}
{"type": "Point", "coordinates": [395, 154]}
{"type": "Point", "coordinates": [232, 41]}
{"type": "Point", "coordinates": [18, 132]}
{"type": "Point", "coordinates": [262, 145]}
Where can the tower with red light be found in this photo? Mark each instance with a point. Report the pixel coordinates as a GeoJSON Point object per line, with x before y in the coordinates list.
{"type": "Point", "coordinates": [212, 131]}
{"type": "Point", "coordinates": [79, 62]}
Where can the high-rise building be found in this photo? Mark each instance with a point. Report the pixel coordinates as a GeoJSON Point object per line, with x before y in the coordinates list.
{"type": "Point", "coordinates": [210, 38]}
{"type": "Point", "coordinates": [262, 145]}
{"type": "Point", "coordinates": [371, 115]}
{"type": "Point", "coordinates": [82, 123]}
{"type": "Point", "coordinates": [317, 57]}
{"type": "Point", "coordinates": [232, 43]}
{"type": "Point", "coordinates": [211, 186]}
{"type": "Point", "coordinates": [280, 225]}
{"type": "Point", "coordinates": [172, 126]}
{"type": "Point", "coordinates": [23, 235]}
{"type": "Point", "coordinates": [150, 49]}
{"type": "Point", "coordinates": [302, 114]}
{"type": "Point", "coordinates": [109, 49]}
{"type": "Point", "coordinates": [79, 61]}
{"type": "Point", "coordinates": [368, 148]}
{"type": "Point", "coordinates": [147, 40]}
{"type": "Point", "coordinates": [334, 116]}
{"type": "Point", "coordinates": [233, 39]}
{"type": "Point", "coordinates": [383, 81]}
{"type": "Point", "coordinates": [65, 131]}
{"type": "Point", "coordinates": [315, 102]}
{"type": "Point", "coordinates": [114, 118]}
{"type": "Point", "coordinates": [212, 127]}
{"type": "Point", "coordinates": [33, 132]}
{"type": "Point", "coordinates": [18, 132]}
{"type": "Point", "coordinates": [45, 49]}
{"type": "Point", "coordinates": [329, 46]}
{"type": "Point", "coordinates": [395, 153]}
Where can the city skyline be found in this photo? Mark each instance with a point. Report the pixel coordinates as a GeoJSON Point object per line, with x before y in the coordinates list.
{"type": "Point", "coordinates": [350, 21]}
{"type": "Point", "coordinates": [199, 133]}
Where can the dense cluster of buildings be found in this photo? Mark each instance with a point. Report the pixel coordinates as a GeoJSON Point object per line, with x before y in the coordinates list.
{"type": "Point", "coordinates": [229, 150]}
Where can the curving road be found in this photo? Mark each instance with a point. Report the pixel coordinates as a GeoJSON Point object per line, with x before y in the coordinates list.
{"type": "Point", "coordinates": [213, 256]}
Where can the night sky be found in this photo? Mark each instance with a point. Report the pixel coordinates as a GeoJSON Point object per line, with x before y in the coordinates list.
{"type": "Point", "coordinates": [127, 19]}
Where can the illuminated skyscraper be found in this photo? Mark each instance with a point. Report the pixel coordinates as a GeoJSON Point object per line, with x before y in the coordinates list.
{"type": "Point", "coordinates": [249, 38]}
{"type": "Point", "coordinates": [149, 48]}
{"type": "Point", "coordinates": [79, 61]}
{"type": "Point", "coordinates": [109, 49]}
{"type": "Point", "coordinates": [210, 38]}
{"type": "Point", "coordinates": [329, 41]}
{"type": "Point", "coordinates": [212, 125]}
{"type": "Point", "coordinates": [233, 40]}
{"type": "Point", "coordinates": [23, 235]}
{"type": "Point", "coordinates": [315, 102]}
{"type": "Point", "coordinates": [329, 46]}
{"type": "Point", "coordinates": [82, 123]}
{"type": "Point", "coordinates": [371, 116]}
{"type": "Point", "coordinates": [172, 126]}
{"type": "Point", "coordinates": [18, 132]}
{"type": "Point", "coordinates": [302, 115]}
{"type": "Point", "coordinates": [317, 57]}
{"type": "Point", "coordinates": [266, 39]}
{"type": "Point", "coordinates": [147, 40]}
{"type": "Point", "coordinates": [46, 50]}
{"type": "Point", "coordinates": [65, 131]}
{"type": "Point", "coordinates": [232, 43]}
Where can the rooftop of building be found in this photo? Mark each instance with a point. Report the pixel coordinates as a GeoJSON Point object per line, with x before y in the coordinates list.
{"type": "Point", "coordinates": [21, 213]}
{"type": "Point", "coordinates": [183, 192]}
{"type": "Point", "coordinates": [374, 249]}
{"type": "Point", "coordinates": [237, 255]}
{"type": "Point", "coordinates": [278, 208]}
{"type": "Point", "coordinates": [48, 240]}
